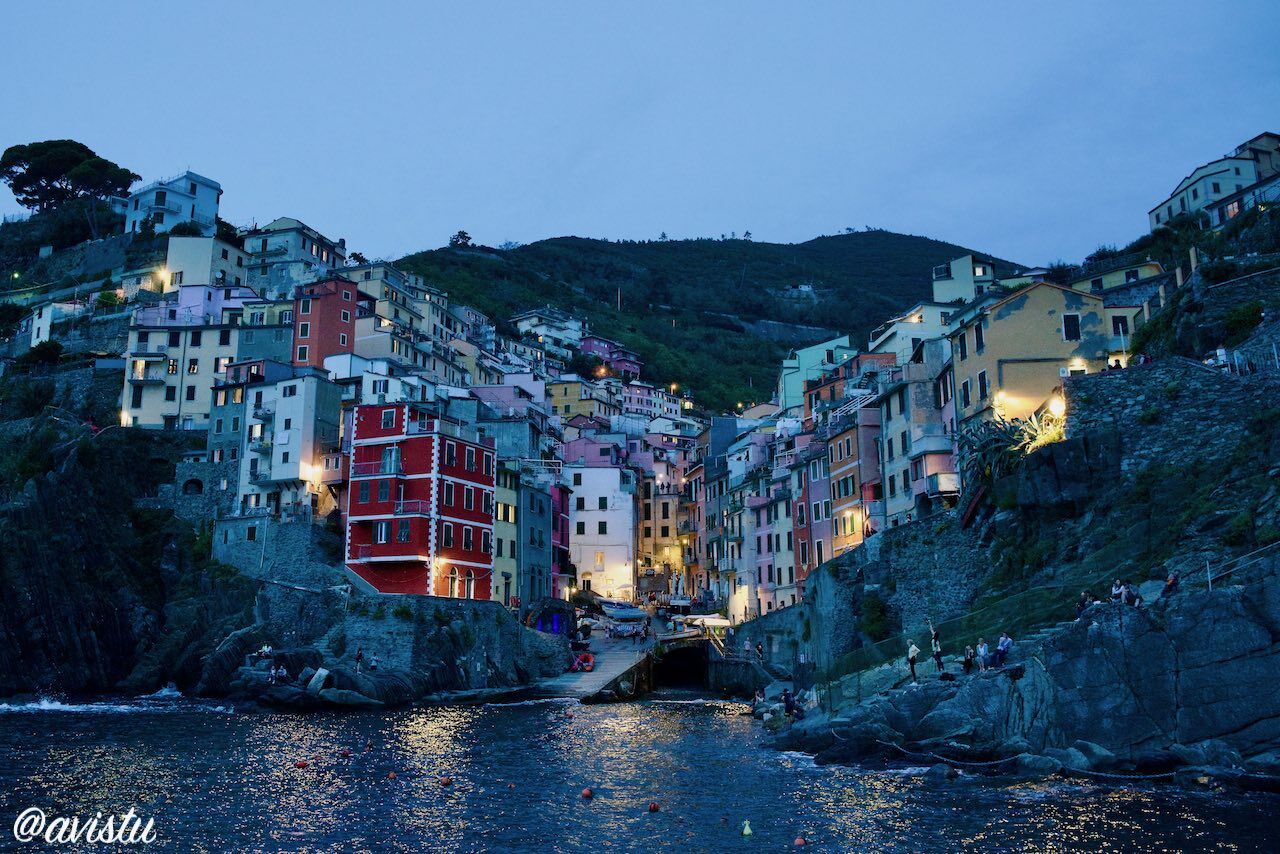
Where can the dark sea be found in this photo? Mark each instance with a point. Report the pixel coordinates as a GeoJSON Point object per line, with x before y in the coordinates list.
{"type": "Point", "coordinates": [213, 779]}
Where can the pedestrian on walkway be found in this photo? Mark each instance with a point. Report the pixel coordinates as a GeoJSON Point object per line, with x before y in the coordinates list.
{"type": "Point", "coordinates": [936, 643]}
{"type": "Point", "coordinates": [760, 650]}
{"type": "Point", "coordinates": [1117, 591]}
{"type": "Point", "coordinates": [912, 652]}
{"type": "Point", "coordinates": [982, 654]}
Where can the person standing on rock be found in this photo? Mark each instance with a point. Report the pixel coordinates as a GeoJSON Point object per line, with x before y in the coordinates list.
{"type": "Point", "coordinates": [969, 656]}
{"type": "Point", "coordinates": [1002, 648]}
{"type": "Point", "coordinates": [982, 654]}
{"type": "Point", "coordinates": [936, 643]}
{"type": "Point", "coordinates": [913, 652]}
{"type": "Point", "coordinates": [1117, 591]}
{"type": "Point", "coordinates": [359, 658]}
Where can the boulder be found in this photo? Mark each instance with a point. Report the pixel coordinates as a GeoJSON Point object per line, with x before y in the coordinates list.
{"type": "Point", "coordinates": [1031, 765]}
{"type": "Point", "coordinates": [1098, 757]}
{"type": "Point", "coordinates": [940, 773]}
{"type": "Point", "coordinates": [342, 697]}
{"type": "Point", "coordinates": [1069, 757]}
{"type": "Point", "coordinates": [316, 683]}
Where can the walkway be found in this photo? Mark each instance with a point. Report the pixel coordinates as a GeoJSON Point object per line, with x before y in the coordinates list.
{"type": "Point", "coordinates": [613, 658]}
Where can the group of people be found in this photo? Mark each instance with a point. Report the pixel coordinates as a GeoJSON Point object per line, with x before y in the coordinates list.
{"type": "Point", "coordinates": [759, 649]}
{"type": "Point", "coordinates": [373, 660]}
{"type": "Point", "coordinates": [277, 675]}
{"type": "Point", "coordinates": [1125, 592]}
{"type": "Point", "coordinates": [982, 657]}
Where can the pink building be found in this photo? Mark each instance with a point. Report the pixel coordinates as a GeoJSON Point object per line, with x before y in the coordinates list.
{"type": "Point", "coordinates": [622, 361]}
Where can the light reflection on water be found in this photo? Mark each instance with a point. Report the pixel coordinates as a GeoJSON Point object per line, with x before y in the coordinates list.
{"type": "Point", "coordinates": [217, 782]}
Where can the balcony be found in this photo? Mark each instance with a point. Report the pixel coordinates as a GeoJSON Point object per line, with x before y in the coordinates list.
{"type": "Point", "coordinates": [262, 474]}
{"type": "Point", "coordinates": [264, 412]}
{"type": "Point", "coordinates": [943, 483]}
{"type": "Point", "coordinates": [875, 509]}
{"type": "Point", "coordinates": [261, 445]}
{"type": "Point", "coordinates": [147, 377]}
{"type": "Point", "coordinates": [159, 353]}
{"type": "Point", "coordinates": [391, 552]}
{"type": "Point", "coordinates": [390, 468]}
{"type": "Point", "coordinates": [942, 271]}
{"type": "Point", "coordinates": [162, 207]}
{"type": "Point", "coordinates": [269, 252]}
{"type": "Point", "coordinates": [412, 507]}
{"type": "Point", "coordinates": [335, 470]}
{"type": "Point", "coordinates": [929, 439]}
{"type": "Point", "coordinates": [688, 526]}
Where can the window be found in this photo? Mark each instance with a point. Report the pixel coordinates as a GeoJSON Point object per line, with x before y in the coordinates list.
{"type": "Point", "coordinates": [196, 337]}
{"type": "Point", "coordinates": [581, 528]}
{"type": "Point", "coordinates": [470, 459]}
{"type": "Point", "coordinates": [888, 448]}
{"type": "Point", "coordinates": [173, 366]}
{"type": "Point", "coordinates": [135, 399]}
{"type": "Point", "coordinates": [1095, 285]}
{"type": "Point", "coordinates": [448, 495]}
{"type": "Point", "coordinates": [577, 479]}
{"type": "Point", "coordinates": [191, 392]}
{"type": "Point", "coordinates": [402, 531]}
{"type": "Point", "coordinates": [446, 535]}
{"type": "Point", "coordinates": [964, 345]}
{"type": "Point", "coordinates": [450, 454]}
{"type": "Point", "coordinates": [384, 490]}
{"type": "Point", "coordinates": [289, 391]}
{"type": "Point", "coordinates": [468, 541]}
{"type": "Point", "coordinates": [979, 337]}
{"type": "Point", "coordinates": [1119, 325]}
{"type": "Point", "coordinates": [304, 330]}
{"type": "Point", "coordinates": [304, 306]}
{"type": "Point", "coordinates": [1071, 327]}
{"type": "Point", "coordinates": [982, 385]}
{"type": "Point", "coordinates": [388, 419]}
{"type": "Point", "coordinates": [485, 545]}
{"type": "Point", "coordinates": [602, 503]}
{"type": "Point", "coordinates": [382, 532]}
{"type": "Point", "coordinates": [964, 394]}
{"type": "Point", "coordinates": [1130, 276]}
{"type": "Point", "coordinates": [193, 366]}
{"type": "Point", "coordinates": [1216, 187]}
{"type": "Point", "coordinates": [581, 503]}
{"type": "Point", "coordinates": [468, 498]}
{"type": "Point", "coordinates": [346, 316]}
{"type": "Point", "coordinates": [302, 353]}
{"type": "Point", "coordinates": [602, 527]}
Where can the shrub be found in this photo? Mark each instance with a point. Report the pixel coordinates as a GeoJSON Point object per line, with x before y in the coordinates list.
{"type": "Point", "coordinates": [402, 612]}
{"type": "Point", "coordinates": [877, 622]}
{"type": "Point", "coordinates": [1150, 415]}
{"type": "Point", "coordinates": [44, 353]}
{"type": "Point", "coordinates": [1239, 529]}
{"type": "Point", "coordinates": [1240, 323]}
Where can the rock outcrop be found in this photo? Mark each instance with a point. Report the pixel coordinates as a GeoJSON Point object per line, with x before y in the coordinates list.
{"type": "Point", "coordinates": [1189, 680]}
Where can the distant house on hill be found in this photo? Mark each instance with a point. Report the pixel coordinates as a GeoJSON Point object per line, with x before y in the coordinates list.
{"type": "Point", "coordinates": [1222, 187]}
{"type": "Point", "coordinates": [183, 198]}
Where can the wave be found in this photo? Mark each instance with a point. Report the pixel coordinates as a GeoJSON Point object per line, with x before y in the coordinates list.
{"type": "Point", "coordinates": [45, 704]}
{"type": "Point", "coordinates": [168, 692]}
{"type": "Point", "coordinates": [541, 701]}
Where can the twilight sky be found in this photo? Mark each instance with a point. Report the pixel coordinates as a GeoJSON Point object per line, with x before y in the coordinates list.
{"type": "Point", "coordinates": [1034, 131]}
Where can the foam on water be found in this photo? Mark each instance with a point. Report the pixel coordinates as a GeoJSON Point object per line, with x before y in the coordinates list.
{"type": "Point", "coordinates": [46, 704]}
{"type": "Point", "coordinates": [541, 701]}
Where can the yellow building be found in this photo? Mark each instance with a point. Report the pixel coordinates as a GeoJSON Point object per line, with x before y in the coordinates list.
{"type": "Point", "coordinates": [1010, 354]}
{"type": "Point", "coordinates": [571, 395]}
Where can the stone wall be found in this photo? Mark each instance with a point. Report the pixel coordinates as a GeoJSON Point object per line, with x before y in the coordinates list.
{"type": "Point", "coordinates": [291, 552]}
{"type": "Point", "coordinates": [93, 334]}
{"type": "Point", "coordinates": [202, 491]}
{"type": "Point", "coordinates": [1155, 408]}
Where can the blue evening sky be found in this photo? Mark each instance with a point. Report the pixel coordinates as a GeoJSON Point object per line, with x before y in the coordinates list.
{"type": "Point", "coordinates": [1031, 130]}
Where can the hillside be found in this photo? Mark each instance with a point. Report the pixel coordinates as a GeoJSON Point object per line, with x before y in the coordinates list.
{"type": "Point", "coordinates": [688, 305]}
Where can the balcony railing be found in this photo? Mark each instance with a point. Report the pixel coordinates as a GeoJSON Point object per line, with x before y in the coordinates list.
{"type": "Point", "coordinates": [262, 474]}
{"type": "Point", "coordinates": [412, 507]}
{"type": "Point", "coordinates": [943, 483]}
{"type": "Point", "coordinates": [688, 526]}
{"type": "Point", "coordinates": [260, 445]}
{"type": "Point", "coordinates": [378, 467]}
{"type": "Point", "coordinates": [264, 413]}
{"type": "Point", "coordinates": [147, 378]}
{"type": "Point", "coordinates": [929, 439]}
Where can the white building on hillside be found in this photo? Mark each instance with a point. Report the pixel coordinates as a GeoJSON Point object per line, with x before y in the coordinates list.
{"type": "Point", "coordinates": [602, 529]}
{"type": "Point", "coordinates": [203, 261]}
{"type": "Point", "coordinates": [183, 198]}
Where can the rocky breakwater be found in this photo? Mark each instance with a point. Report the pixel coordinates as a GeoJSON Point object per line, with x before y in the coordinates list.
{"type": "Point", "coordinates": [1188, 682]}
{"type": "Point", "coordinates": [421, 646]}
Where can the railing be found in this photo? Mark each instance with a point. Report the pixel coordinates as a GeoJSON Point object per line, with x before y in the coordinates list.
{"type": "Point", "coordinates": [268, 252]}
{"type": "Point", "coordinates": [943, 483]}
{"type": "Point", "coordinates": [264, 413]}
{"type": "Point", "coordinates": [167, 207]}
{"type": "Point", "coordinates": [260, 446]}
{"type": "Point", "coordinates": [262, 474]}
{"type": "Point", "coordinates": [687, 527]}
{"type": "Point", "coordinates": [376, 468]}
{"type": "Point", "coordinates": [413, 507]}
{"type": "Point", "coordinates": [942, 271]}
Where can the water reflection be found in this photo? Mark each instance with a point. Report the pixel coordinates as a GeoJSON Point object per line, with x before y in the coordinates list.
{"type": "Point", "coordinates": [218, 782]}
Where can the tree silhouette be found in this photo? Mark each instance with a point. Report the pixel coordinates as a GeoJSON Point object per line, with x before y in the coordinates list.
{"type": "Point", "coordinates": [461, 238]}
{"type": "Point", "coordinates": [44, 175]}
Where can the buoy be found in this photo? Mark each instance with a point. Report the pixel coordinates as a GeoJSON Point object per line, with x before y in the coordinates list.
{"type": "Point", "coordinates": [301, 763]}
{"type": "Point", "coordinates": [746, 828]}
{"type": "Point", "coordinates": [653, 806]}
{"type": "Point", "coordinates": [346, 751]}
{"type": "Point", "coordinates": [446, 781]}
{"type": "Point", "coordinates": [391, 775]}
{"type": "Point", "coordinates": [511, 785]}
{"type": "Point", "coordinates": [800, 840]}
{"type": "Point", "coordinates": [368, 745]}
{"type": "Point", "coordinates": [587, 793]}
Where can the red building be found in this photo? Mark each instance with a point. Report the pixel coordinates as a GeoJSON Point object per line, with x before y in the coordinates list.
{"type": "Point", "coordinates": [420, 503]}
{"type": "Point", "coordinates": [324, 319]}
{"type": "Point", "coordinates": [562, 573]}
